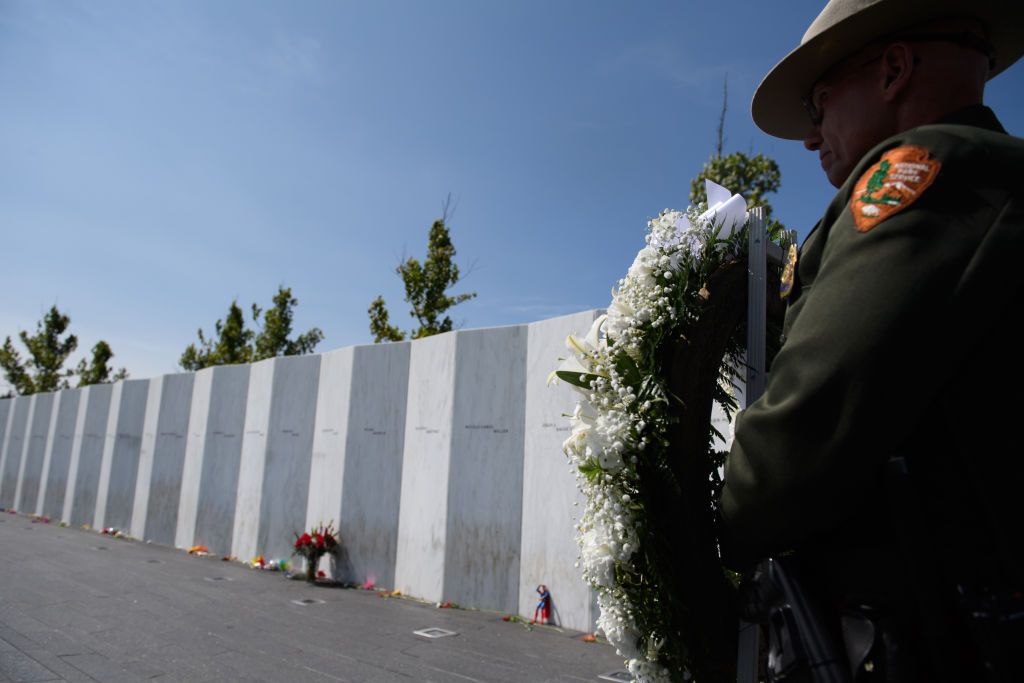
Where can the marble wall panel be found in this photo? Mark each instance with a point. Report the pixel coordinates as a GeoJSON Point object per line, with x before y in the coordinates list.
{"type": "Point", "coordinates": [107, 458]}
{"type": "Point", "coordinates": [26, 495]}
{"type": "Point", "coordinates": [19, 462]}
{"type": "Point", "coordinates": [289, 450]}
{"type": "Point", "coordinates": [330, 429]}
{"type": "Point", "coordinates": [246, 527]}
{"type": "Point", "coordinates": [158, 488]}
{"type": "Point", "coordinates": [5, 414]}
{"type": "Point", "coordinates": [150, 424]}
{"type": "Point", "coordinates": [372, 487]}
{"type": "Point", "coordinates": [44, 471]}
{"type": "Point", "coordinates": [206, 512]}
{"type": "Point", "coordinates": [192, 468]}
{"type": "Point", "coordinates": [58, 451]}
{"type": "Point", "coordinates": [549, 485]}
{"type": "Point", "coordinates": [87, 454]}
{"type": "Point", "coordinates": [485, 476]}
{"type": "Point", "coordinates": [14, 449]}
{"type": "Point", "coordinates": [423, 512]}
{"type": "Point", "coordinates": [169, 458]}
{"type": "Point", "coordinates": [115, 495]}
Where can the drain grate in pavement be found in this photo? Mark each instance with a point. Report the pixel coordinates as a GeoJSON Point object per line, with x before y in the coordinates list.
{"type": "Point", "coordinates": [435, 632]}
{"type": "Point", "coordinates": [307, 601]}
{"type": "Point", "coordinates": [617, 676]}
{"type": "Point", "coordinates": [215, 578]}
{"type": "Point", "coordinates": [154, 561]}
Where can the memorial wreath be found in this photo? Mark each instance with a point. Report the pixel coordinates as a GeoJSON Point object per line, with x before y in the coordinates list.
{"type": "Point", "coordinates": [648, 373]}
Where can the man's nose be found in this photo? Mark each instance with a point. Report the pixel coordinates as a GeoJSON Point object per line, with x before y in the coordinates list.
{"type": "Point", "coordinates": [812, 141]}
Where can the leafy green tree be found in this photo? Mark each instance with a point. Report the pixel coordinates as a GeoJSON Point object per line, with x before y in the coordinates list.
{"type": "Point", "coordinates": [380, 323]}
{"type": "Point", "coordinates": [98, 370]}
{"type": "Point", "coordinates": [751, 176]}
{"type": "Point", "coordinates": [273, 340]}
{"type": "Point", "coordinates": [48, 350]}
{"type": "Point", "coordinates": [43, 370]}
{"type": "Point", "coordinates": [234, 342]}
{"type": "Point", "coordinates": [426, 286]}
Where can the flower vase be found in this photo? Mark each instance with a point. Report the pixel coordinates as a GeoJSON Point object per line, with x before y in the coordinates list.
{"type": "Point", "coordinates": [311, 564]}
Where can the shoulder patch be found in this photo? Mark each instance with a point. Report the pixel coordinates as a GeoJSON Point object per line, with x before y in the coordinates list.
{"type": "Point", "coordinates": [892, 184]}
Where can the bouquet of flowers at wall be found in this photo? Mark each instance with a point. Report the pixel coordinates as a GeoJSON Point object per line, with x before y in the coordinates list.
{"type": "Point", "coordinates": [648, 373]}
{"type": "Point", "coordinates": [312, 545]}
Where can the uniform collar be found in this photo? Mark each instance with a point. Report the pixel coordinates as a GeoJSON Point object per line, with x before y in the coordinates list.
{"type": "Point", "coordinates": [977, 115]}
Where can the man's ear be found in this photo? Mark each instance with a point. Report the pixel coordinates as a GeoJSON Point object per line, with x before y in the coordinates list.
{"type": "Point", "coordinates": [897, 67]}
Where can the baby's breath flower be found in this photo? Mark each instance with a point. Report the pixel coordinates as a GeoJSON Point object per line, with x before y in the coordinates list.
{"type": "Point", "coordinates": [611, 427]}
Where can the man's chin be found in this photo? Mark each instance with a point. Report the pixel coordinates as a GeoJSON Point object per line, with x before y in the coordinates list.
{"type": "Point", "coordinates": [836, 174]}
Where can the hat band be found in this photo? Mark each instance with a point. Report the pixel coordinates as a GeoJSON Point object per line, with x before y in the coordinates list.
{"type": "Point", "coordinates": [964, 38]}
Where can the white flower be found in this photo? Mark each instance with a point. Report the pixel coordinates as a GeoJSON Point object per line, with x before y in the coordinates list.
{"type": "Point", "coordinates": [643, 267]}
{"type": "Point", "coordinates": [611, 427]}
{"type": "Point", "coordinates": [620, 317]}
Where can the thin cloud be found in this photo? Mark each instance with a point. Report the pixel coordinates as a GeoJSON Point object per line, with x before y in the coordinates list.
{"type": "Point", "coordinates": [666, 61]}
{"type": "Point", "coordinates": [297, 58]}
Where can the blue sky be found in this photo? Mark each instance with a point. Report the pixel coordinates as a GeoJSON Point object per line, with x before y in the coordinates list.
{"type": "Point", "coordinates": [159, 159]}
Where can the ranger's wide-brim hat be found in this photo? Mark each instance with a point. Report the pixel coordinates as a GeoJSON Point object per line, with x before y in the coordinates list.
{"type": "Point", "coordinates": [845, 26]}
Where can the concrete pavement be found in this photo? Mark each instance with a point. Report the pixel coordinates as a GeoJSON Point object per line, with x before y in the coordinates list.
{"type": "Point", "coordinates": [76, 605]}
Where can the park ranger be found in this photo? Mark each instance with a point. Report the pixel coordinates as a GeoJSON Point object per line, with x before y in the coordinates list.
{"type": "Point", "coordinates": [884, 456]}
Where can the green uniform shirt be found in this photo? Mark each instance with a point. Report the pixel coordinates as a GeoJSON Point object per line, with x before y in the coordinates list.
{"type": "Point", "coordinates": [897, 341]}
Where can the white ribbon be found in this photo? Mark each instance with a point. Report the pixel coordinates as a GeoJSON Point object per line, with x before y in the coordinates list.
{"type": "Point", "coordinates": [723, 207]}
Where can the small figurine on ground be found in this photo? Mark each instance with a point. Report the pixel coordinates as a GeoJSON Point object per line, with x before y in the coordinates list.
{"type": "Point", "coordinates": [543, 607]}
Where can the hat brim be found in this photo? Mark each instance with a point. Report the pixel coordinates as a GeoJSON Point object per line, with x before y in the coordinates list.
{"type": "Point", "coordinates": [777, 108]}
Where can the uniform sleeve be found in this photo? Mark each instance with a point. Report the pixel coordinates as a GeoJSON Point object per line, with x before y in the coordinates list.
{"type": "Point", "coordinates": [860, 365]}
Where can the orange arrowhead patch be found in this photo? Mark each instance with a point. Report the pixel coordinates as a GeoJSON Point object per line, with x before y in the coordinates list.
{"type": "Point", "coordinates": [895, 182]}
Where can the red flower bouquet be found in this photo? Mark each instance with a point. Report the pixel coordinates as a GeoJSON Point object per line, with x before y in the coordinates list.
{"type": "Point", "coordinates": [319, 541]}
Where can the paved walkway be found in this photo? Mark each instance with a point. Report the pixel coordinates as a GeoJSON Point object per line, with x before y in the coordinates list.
{"type": "Point", "coordinates": [79, 606]}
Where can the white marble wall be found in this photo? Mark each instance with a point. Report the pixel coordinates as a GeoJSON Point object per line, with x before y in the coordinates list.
{"type": "Point", "coordinates": [439, 461]}
{"type": "Point", "coordinates": [119, 469]}
{"type": "Point", "coordinates": [26, 493]}
{"type": "Point", "coordinates": [330, 431]}
{"type": "Point", "coordinates": [244, 537]}
{"type": "Point", "coordinates": [144, 475]}
{"type": "Point", "coordinates": [206, 512]}
{"type": "Point", "coordinates": [372, 476]}
{"type": "Point", "coordinates": [58, 454]}
{"type": "Point", "coordinates": [485, 475]}
{"type": "Point", "coordinates": [5, 417]}
{"type": "Point", "coordinates": [277, 449]}
{"type": "Point", "coordinates": [423, 513]}
{"type": "Point", "coordinates": [289, 451]}
{"type": "Point", "coordinates": [549, 498]}
{"type": "Point", "coordinates": [44, 471]}
{"type": "Point", "coordinates": [161, 458]}
{"type": "Point", "coordinates": [87, 454]}
{"type": "Point", "coordinates": [14, 448]}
